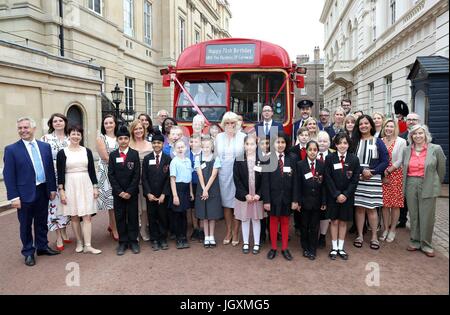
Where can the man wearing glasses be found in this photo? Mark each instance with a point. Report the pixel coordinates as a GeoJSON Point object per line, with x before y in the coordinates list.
{"type": "Point", "coordinates": [267, 125]}
{"type": "Point", "coordinates": [411, 120]}
{"type": "Point", "coordinates": [324, 117]}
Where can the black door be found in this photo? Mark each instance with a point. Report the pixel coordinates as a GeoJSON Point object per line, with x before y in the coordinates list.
{"type": "Point", "coordinates": [75, 117]}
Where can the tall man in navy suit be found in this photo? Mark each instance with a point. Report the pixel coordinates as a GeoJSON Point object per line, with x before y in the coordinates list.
{"type": "Point", "coordinates": [30, 182]}
{"type": "Point", "coordinates": [267, 125]}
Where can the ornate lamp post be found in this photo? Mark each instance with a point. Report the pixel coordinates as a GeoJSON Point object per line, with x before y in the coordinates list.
{"type": "Point", "coordinates": [117, 95]}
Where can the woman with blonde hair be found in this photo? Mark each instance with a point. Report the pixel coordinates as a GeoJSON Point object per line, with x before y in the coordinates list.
{"type": "Point", "coordinates": [313, 129]}
{"type": "Point", "coordinates": [139, 143]}
{"type": "Point", "coordinates": [423, 174]}
{"type": "Point", "coordinates": [392, 180]}
{"type": "Point", "coordinates": [228, 146]}
{"type": "Point", "coordinates": [379, 120]}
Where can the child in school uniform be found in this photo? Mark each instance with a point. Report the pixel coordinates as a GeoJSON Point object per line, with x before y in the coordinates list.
{"type": "Point", "coordinates": [299, 152]}
{"type": "Point", "coordinates": [279, 195]}
{"type": "Point", "coordinates": [324, 141]}
{"type": "Point", "coordinates": [195, 143]}
{"type": "Point", "coordinates": [124, 171]}
{"type": "Point", "coordinates": [247, 175]}
{"type": "Point", "coordinates": [342, 171]}
{"type": "Point", "coordinates": [156, 186]}
{"type": "Point", "coordinates": [208, 203]}
{"type": "Point", "coordinates": [264, 157]}
{"type": "Point", "coordinates": [311, 192]}
{"type": "Point", "coordinates": [181, 187]}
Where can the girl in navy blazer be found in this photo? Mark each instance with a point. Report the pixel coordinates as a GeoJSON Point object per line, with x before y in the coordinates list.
{"type": "Point", "coordinates": [342, 173]}
{"type": "Point", "coordinates": [311, 192]}
{"type": "Point", "coordinates": [278, 193]}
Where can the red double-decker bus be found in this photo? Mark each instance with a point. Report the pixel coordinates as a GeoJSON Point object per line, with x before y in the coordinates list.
{"type": "Point", "coordinates": [239, 75]}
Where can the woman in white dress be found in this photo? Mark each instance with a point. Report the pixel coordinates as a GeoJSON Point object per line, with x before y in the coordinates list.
{"type": "Point", "coordinates": [58, 140]}
{"type": "Point", "coordinates": [228, 146]}
{"type": "Point", "coordinates": [139, 143]}
{"type": "Point", "coordinates": [77, 186]}
{"type": "Point", "coordinates": [106, 143]}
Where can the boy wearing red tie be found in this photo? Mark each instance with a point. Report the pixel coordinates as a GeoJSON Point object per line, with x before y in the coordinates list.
{"type": "Point", "coordinates": [123, 174]}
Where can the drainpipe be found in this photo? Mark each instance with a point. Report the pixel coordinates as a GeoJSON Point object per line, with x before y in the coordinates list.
{"type": "Point", "coordinates": [61, 29]}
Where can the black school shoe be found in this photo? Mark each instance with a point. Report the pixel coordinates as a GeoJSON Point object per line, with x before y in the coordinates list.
{"type": "Point", "coordinates": [179, 244]}
{"type": "Point", "coordinates": [163, 245]}
{"type": "Point", "coordinates": [185, 243]}
{"type": "Point", "coordinates": [155, 246]}
{"type": "Point", "coordinates": [287, 254]}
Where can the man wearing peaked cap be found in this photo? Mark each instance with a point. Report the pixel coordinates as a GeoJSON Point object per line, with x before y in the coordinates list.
{"type": "Point", "coordinates": [401, 111]}
{"type": "Point", "coordinates": [305, 112]}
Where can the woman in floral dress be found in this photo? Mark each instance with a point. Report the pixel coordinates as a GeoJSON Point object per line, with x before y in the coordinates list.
{"type": "Point", "coordinates": [58, 140]}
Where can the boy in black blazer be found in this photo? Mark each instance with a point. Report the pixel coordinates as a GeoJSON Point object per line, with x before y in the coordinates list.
{"type": "Point", "coordinates": [124, 172]}
{"type": "Point", "coordinates": [156, 186]}
{"type": "Point", "coordinates": [311, 192]}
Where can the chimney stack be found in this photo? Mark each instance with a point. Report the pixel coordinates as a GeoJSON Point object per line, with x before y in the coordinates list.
{"type": "Point", "coordinates": [301, 59]}
{"type": "Point", "coordinates": [316, 54]}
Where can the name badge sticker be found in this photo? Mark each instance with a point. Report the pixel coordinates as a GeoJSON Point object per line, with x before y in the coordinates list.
{"type": "Point", "coordinates": [338, 166]}
{"type": "Point", "coordinates": [203, 166]}
{"type": "Point", "coordinates": [372, 147]}
{"type": "Point", "coordinates": [119, 160]}
{"type": "Point", "coordinates": [287, 169]}
{"type": "Point", "coordinates": [309, 175]}
{"type": "Point", "coordinates": [152, 162]}
{"type": "Point", "coordinates": [257, 169]}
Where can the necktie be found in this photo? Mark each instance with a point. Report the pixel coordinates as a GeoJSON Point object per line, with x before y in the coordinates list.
{"type": "Point", "coordinates": [281, 164]}
{"type": "Point", "coordinates": [157, 161]}
{"type": "Point", "coordinates": [38, 167]}
{"type": "Point", "coordinates": [342, 162]}
{"type": "Point", "coordinates": [313, 169]}
{"type": "Point", "coordinates": [267, 129]}
{"type": "Point", "coordinates": [123, 156]}
{"type": "Point", "coordinates": [321, 157]}
{"type": "Point", "coordinates": [303, 153]}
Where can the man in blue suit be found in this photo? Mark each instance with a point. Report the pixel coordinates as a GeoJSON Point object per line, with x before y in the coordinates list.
{"type": "Point", "coordinates": [30, 182]}
{"type": "Point", "coordinates": [267, 125]}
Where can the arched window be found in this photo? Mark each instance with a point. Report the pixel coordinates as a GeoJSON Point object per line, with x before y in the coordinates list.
{"type": "Point", "coordinates": [75, 117]}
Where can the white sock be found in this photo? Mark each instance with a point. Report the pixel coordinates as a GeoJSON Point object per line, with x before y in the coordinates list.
{"type": "Point", "coordinates": [256, 224]}
{"type": "Point", "coordinates": [335, 244]}
{"type": "Point", "coordinates": [211, 238]}
{"type": "Point", "coordinates": [245, 231]}
{"type": "Point", "coordinates": [340, 244]}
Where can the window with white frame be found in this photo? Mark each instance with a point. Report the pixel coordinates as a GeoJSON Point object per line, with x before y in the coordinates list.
{"type": "Point", "coordinates": [371, 97]}
{"type": "Point", "coordinates": [182, 33]}
{"type": "Point", "coordinates": [148, 23]}
{"type": "Point", "coordinates": [392, 11]}
{"type": "Point", "coordinates": [388, 106]}
{"type": "Point", "coordinates": [129, 93]}
{"type": "Point", "coordinates": [102, 77]}
{"type": "Point", "coordinates": [128, 17]}
{"type": "Point", "coordinates": [373, 18]}
{"type": "Point", "coordinates": [303, 91]}
{"type": "Point", "coordinates": [149, 98]}
{"type": "Point", "coordinates": [96, 6]}
{"type": "Point", "coordinates": [197, 37]}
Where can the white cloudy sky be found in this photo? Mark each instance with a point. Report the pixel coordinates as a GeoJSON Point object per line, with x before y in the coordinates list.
{"type": "Point", "coordinates": [292, 24]}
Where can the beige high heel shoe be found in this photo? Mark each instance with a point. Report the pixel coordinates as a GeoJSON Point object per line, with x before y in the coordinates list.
{"type": "Point", "coordinates": [89, 249]}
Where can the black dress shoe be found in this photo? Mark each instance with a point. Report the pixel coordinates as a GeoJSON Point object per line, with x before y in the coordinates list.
{"type": "Point", "coordinates": [401, 225]}
{"type": "Point", "coordinates": [312, 256]}
{"type": "Point", "coordinates": [164, 245]}
{"type": "Point", "coordinates": [155, 246]}
{"type": "Point", "coordinates": [286, 254]}
{"type": "Point", "coordinates": [121, 249]}
{"type": "Point", "coordinates": [29, 261]}
{"type": "Point", "coordinates": [135, 248]}
{"type": "Point", "coordinates": [271, 254]}
{"type": "Point", "coordinates": [306, 253]}
{"type": "Point", "coordinates": [47, 252]}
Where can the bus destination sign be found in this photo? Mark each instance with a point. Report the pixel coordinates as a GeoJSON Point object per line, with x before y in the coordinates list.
{"type": "Point", "coordinates": [230, 54]}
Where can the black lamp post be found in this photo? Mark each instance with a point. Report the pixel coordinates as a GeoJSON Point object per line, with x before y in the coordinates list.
{"type": "Point", "coordinates": [117, 95]}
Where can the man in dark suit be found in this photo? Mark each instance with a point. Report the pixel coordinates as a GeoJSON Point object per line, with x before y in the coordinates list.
{"type": "Point", "coordinates": [267, 125]}
{"type": "Point", "coordinates": [305, 113]}
{"type": "Point", "coordinates": [412, 119]}
{"type": "Point", "coordinates": [124, 171]}
{"type": "Point", "coordinates": [30, 182]}
{"type": "Point", "coordinates": [156, 186]}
